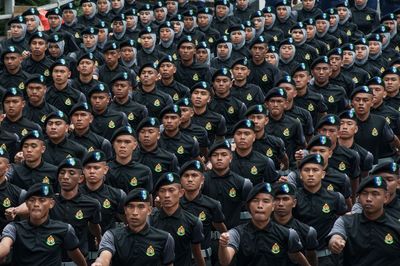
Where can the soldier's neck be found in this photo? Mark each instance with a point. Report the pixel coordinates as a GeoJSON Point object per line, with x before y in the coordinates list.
{"type": "Point", "coordinates": [261, 224]}
{"type": "Point", "coordinates": [171, 210]}
{"type": "Point", "coordinates": [70, 194]}
{"type": "Point", "coordinates": [346, 142]}
{"type": "Point", "coordinates": [123, 161]}
{"type": "Point", "coordinates": [34, 164]}
{"type": "Point", "coordinates": [94, 187]}
{"type": "Point", "coordinates": [260, 134]}
{"type": "Point", "coordinates": [191, 195]}
{"type": "Point", "coordinates": [283, 219]}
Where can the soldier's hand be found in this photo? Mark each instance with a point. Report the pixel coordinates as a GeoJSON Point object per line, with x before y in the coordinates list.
{"type": "Point", "coordinates": [157, 202]}
{"type": "Point", "coordinates": [337, 244]}
{"type": "Point", "coordinates": [224, 239]}
{"type": "Point", "coordinates": [10, 214]}
{"type": "Point", "coordinates": [299, 155]}
{"type": "Point", "coordinates": [282, 179]}
{"type": "Point", "coordinates": [19, 157]}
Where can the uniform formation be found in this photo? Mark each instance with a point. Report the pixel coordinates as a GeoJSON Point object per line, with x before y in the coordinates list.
{"type": "Point", "coordinates": [201, 133]}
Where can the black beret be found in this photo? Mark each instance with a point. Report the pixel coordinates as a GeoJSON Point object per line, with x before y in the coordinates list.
{"type": "Point", "coordinates": [123, 131]}
{"type": "Point", "coordinates": [221, 3]}
{"type": "Point", "coordinates": [38, 35]}
{"type": "Point", "coordinates": [394, 61]}
{"type": "Point", "coordinates": [10, 49]}
{"type": "Point", "coordinates": [374, 37]}
{"type": "Point", "coordinates": [120, 17]}
{"type": "Point", "coordinates": [99, 88]}
{"type": "Point", "coordinates": [148, 122]}
{"type": "Point", "coordinates": [225, 72]}
{"type": "Point", "coordinates": [284, 188]}
{"type": "Point", "coordinates": [32, 11]}
{"type": "Point", "coordinates": [259, 40]}
{"type": "Point", "coordinates": [166, 24]}
{"type": "Point", "coordinates": [309, 22]}
{"type": "Point", "coordinates": [4, 153]}
{"type": "Point", "coordinates": [381, 29]}
{"type": "Point", "coordinates": [301, 67]}
{"type": "Point", "coordinates": [201, 85]}
{"type": "Point", "coordinates": [12, 92]}
{"type": "Point", "coordinates": [110, 46]}
{"type": "Point", "coordinates": [130, 12]}
{"type": "Point", "coordinates": [312, 158]}
{"type": "Point", "coordinates": [319, 140]}
{"type": "Point", "coordinates": [159, 4]}
{"type": "Point", "coordinates": [335, 51]}
{"type": "Point", "coordinates": [177, 17]}
{"type": "Point", "coordinates": [166, 179]}
{"type": "Point", "coordinates": [275, 92]}
{"type": "Point", "coordinates": [375, 81]}
{"type": "Point", "coordinates": [102, 25]}
{"type": "Point", "coordinates": [222, 39]}
{"type": "Point", "coordinates": [322, 16]}
{"type": "Point", "coordinates": [344, 3]}
{"type": "Point", "coordinates": [256, 14]}
{"type": "Point", "coordinates": [90, 31]}
{"type": "Point", "coordinates": [189, 13]}
{"type": "Point", "coordinates": [298, 26]}
{"type": "Point", "coordinates": [283, 3]}
{"type": "Point", "coordinates": [286, 41]}
{"type": "Point", "coordinates": [170, 109]}
{"type": "Point", "coordinates": [191, 165]}
{"type": "Point", "coordinates": [263, 187]}
{"type": "Point", "coordinates": [89, 56]}
{"type": "Point", "coordinates": [39, 190]}
{"type": "Point", "coordinates": [245, 123]}
{"type": "Point", "coordinates": [205, 10]}
{"type": "Point", "coordinates": [146, 30]}
{"type": "Point", "coordinates": [256, 109]}
{"type": "Point", "coordinates": [57, 115]}
{"type": "Point", "coordinates": [145, 7]}
{"type": "Point", "coordinates": [59, 62]}
{"type": "Point", "coordinates": [241, 61]}
{"type": "Point", "coordinates": [87, 1]}
{"type": "Point", "coordinates": [320, 60]}
{"type": "Point", "coordinates": [55, 37]}
{"type": "Point", "coordinates": [68, 6]}
{"type": "Point", "coordinates": [137, 195]}
{"type": "Point", "coordinates": [70, 162]}
{"type": "Point", "coordinates": [79, 107]}
{"type": "Point", "coordinates": [36, 78]}
{"type": "Point", "coordinates": [184, 102]}
{"type": "Point", "coordinates": [360, 89]}
{"type": "Point", "coordinates": [153, 65]}
{"type": "Point", "coordinates": [54, 12]}
{"type": "Point", "coordinates": [361, 41]}
{"type": "Point", "coordinates": [391, 70]}
{"type": "Point", "coordinates": [248, 24]}
{"type": "Point", "coordinates": [34, 134]}
{"type": "Point", "coordinates": [286, 79]}
{"type": "Point", "coordinates": [202, 45]}
{"type": "Point", "coordinates": [166, 59]}
{"type": "Point", "coordinates": [348, 47]}
{"type": "Point", "coordinates": [95, 156]}
{"type": "Point", "coordinates": [389, 167]}
{"type": "Point", "coordinates": [372, 182]}
{"type": "Point", "coordinates": [128, 43]}
{"type": "Point", "coordinates": [185, 39]}
{"type": "Point", "coordinates": [222, 144]}
{"type": "Point", "coordinates": [269, 9]}
{"type": "Point", "coordinates": [329, 119]}
{"type": "Point", "coordinates": [121, 76]}
{"type": "Point", "coordinates": [348, 114]}
{"type": "Point", "coordinates": [17, 20]}
{"type": "Point", "coordinates": [387, 17]}
{"type": "Point", "coordinates": [331, 11]}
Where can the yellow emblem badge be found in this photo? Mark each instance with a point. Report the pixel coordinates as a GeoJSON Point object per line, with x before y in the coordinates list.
{"type": "Point", "coordinates": [208, 126]}
{"type": "Point", "coordinates": [249, 97]}
{"type": "Point", "coordinates": [106, 204]}
{"type": "Point", "coordinates": [46, 180]}
{"type": "Point", "coordinates": [232, 193]}
{"type": "Point", "coordinates": [157, 102]}
{"type": "Point", "coordinates": [195, 77]}
{"type": "Point", "coordinates": [330, 187]}
{"type": "Point", "coordinates": [111, 124]}
{"type": "Point", "coordinates": [68, 101]}
{"type": "Point", "coordinates": [310, 107]}
{"type": "Point", "coordinates": [374, 132]}
{"type": "Point", "coordinates": [202, 216]}
{"type": "Point", "coordinates": [150, 251]}
{"type": "Point", "coordinates": [389, 239]}
{"type": "Point", "coordinates": [342, 166]}
{"type": "Point", "coordinates": [158, 168]}
{"type": "Point", "coordinates": [264, 78]}
{"type": "Point", "coordinates": [325, 208]}
{"type": "Point", "coordinates": [175, 97]}
{"type": "Point", "coordinates": [24, 132]}
{"type": "Point", "coordinates": [131, 116]}
{"type": "Point", "coordinates": [181, 231]}
{"type": "Point", "coordinates": [231, 110]}
{"type": "Point", "coordinates": [133, 182]}
{"type": "Point", "coordinates": [286, 132]}
{"type": "Point", "coordinates": [6, 202]}
{"type": "Point", "coordinates": [275, 248]}
{"type": "Point", "coordinates": [50, 241]}
{"type": "Point", "coordinates": [269, 152]}
{"type": "Point", "coordinates": [79, 215]}
{"type": "Point", "coordinates": [21, 86]}
{"type": "Point", "coordinates": [180, 150]}
{"type": "Point", "coordinates": [254, 170]}
{"type": "Point", "coordinates": [331, 99]}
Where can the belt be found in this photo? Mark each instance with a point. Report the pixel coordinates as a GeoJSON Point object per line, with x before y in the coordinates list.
{"type": "Point", "coordinates": [323, 253]}
{"type": "Point", "coordinates": [70, 263]}
{"type": "Point", "coordinates": [206, 253]}
{"type": "Point", "coordinates": [92, 255]}
{"type": "Point", "coordinates": [215, 235]}
{"type": "Point", "coordinates": [245, 216]}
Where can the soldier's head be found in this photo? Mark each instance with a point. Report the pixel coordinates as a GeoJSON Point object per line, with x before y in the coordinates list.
{"type": "Point", "coordinates": [169, 190]}
{"type": "Point", "coordinates": [244, 135]}
{"type": "Point", "coordinates": [348, 124]}
{"type": "Point", "coordinates": [361, 99]}
{"type": "Point", "coordinates": [284, 199]}
{"type": "Point", "coordinates": [100, 97]}
{"type": "Point", "coordinates": [259, 115]}
{"type": "Point", "coordinates": [56, 124]}
{"type": "Point", "coordinates": [328, 125]}
{"type": "Point", "coordinates": [39, 200]}
{"type": "Point", "coordinates": [321, 145]}
{"type": "Point", "coordinates": [201, 94]}
{"type": "Point", "coordinates": [149, 133]}
{"type": "Point", "coordinates": [124, 142]}
{"type": "Point", "coordinates": [70, 174]}
{"type": "Point", "coordinates": [81, 117]}
{"type": "Point", "coordinates": [95, 167]}
{"type": "Point", "coordinates": [171, 118]}
{"type": "Point", "coordinates": [373, 195]}
{"type": "Point", "coordinates": [260, 202]}
{"type": "Point", "coordinates": [275, 101]}
{"type": "Point", "coordinates": [137, 207]}
{"type": "Point", "coordinates": [33, 147]}
{"type": "Point", "coordinates": [220, 156]}
{"type": "Point", "coordinates": [13, 103]}
{"type": "Point", "coordinates": [192, 177]}
{"type": "Point", "coordinates": [389, 171]}
{"type": "Point", "coordinates": [312, 171]}
{"type": "Point", "coordinates": [391, 79]}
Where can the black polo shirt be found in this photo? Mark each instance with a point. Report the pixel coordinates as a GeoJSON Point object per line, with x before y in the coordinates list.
{"type": "Point", "coordinates": [134, 111]}
{"type": "Point", "coordinates": [273, 147]}
{"type": "Point", "coordinates": [40, 245]}
{"type": "Point", "coordinates": [10, 196]}
{"type": "Point", "coordinates": [143, 57]}
{"type": "Point", "coordinates": [10, 142]}
{"type": "Point", "coordinates": [264, 75]}
{"type": "Point", "coordinates": [78, 212]}
{"type": "Point", "coordinates": [255, 166]}
{"type": "Point", "coordinates": [159, 161]}
{"type": "Point", "coordinates": [313, 102]}
{"type": "Point", "coordinates": [55, 153]}
{"type": "Point", "coordinates": [106, 74]}
{"type": "Point", "coordinates": [176, 90]}
{"type": "Point", "coordinates": [77, 84]}
{"type": "Point", "coordinates": [358, 75]}
{"type": "Point", "coordinates": [184, 146]}
{"type": "Point", "coordinates": [369, 242]}
{"type": "Point", "coordinates": [290, 131]}
{"type": "Point", "coordinates": [208, 210]}
{"type": "Point", "coordinates": [21, 127]}
{"type": "Point", "coordinates": [320, 211]}
{"type": "Point", "coordinates": [38, 114]}
{"type": "Point", "coordinates": [155, 100]}
{"type": "Point", "coordinates": [199, 133]}
{"type": "Point", "coordinates": [267, 246]}
{"type": "Point", "coordinates": [129, 176]}
{"type": "Point", "coordinates": [304, 117]}
{"type": "Point", "coordinates": [335, 97]}
{"type": "Point", "coordinates": [185, 228]}
{"type": "Point", "coordinates": [151, 246]}
{"type": "Point", "coordinates": [344, 81]}
{"type": "Point", "coordinates": [366, 157]}
{"type": "Point", "coordinates": [231, 191]}
{"type": "Point", "coordinates": [393, 101]}
{"type": "Point", "coordinates": [107, 122]}
{"type": "Point", "coordinates": [391, 115]}
{"type": "Point", "coordinates": [230, 108]}
{"type": "Point", "coordinates": [41, 67]}
{"type": "Point", "coordinates": [249, 94]}
{"type": "Point", "coordinates": [375, 135]}
{"type": "Point", "coordinates": [64, 99]}
{"type": "Point", "coordinates": [213, 122]}
{"type": "Point", "coordinates": [24, 177]}
{"type": "Point", "coordinates": [17, 80]}
{"type": "Point", "coordinates": [190, 75]}
{"type": "Point", "coordinates": [345, 160]}
{"type": "Point", "coordinates": [92, 141]}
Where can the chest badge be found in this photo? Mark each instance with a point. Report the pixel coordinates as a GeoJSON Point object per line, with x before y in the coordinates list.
{"type": "Point", "coordinates": [180, 150]}
{"type": "Point", "coordinates": [133, 182]}
{"type": "Point", "coordinates": [330, 187]}
{"type": "Point", "coordinates": [310, 107]}
{"type": "Point", "coordinates": [368, 17]}
{"type": "Point", "coordinates": [331, 99]}
{"type": "Point", "coordinates": [269, 152]}
{"type": "Point", "coordinates": [232, 192]}
{"type": "Point", "coordinates": [374, 132]}
{"type": "Point", "coordinates": [325, 208]}
{"type": "Point", "coordinates": [195, 77]}
{"type": "Point", "coordinates": [202, 216]}
{"type": "Point", "coordinates": [6, 202]}
{"type": "Point", "coordinates": [150, 251]}
{"type": "Point", "coordinates": [106, 204]}
{"type": "Point", "coordinates": [264, 78]}
{"type": "Point", "coordinates": [388, 120]}
{"type": "Point", "coordinates": [158, 168]}
{"type": "Point", "coordinates": [43, 118]}
{"type": "Point", "coordinates": [342, 166]}
{"type": "Point", "coordinates": [4, 146]}
{"type": "Point", "coordinates": [68, 101]}
{"type": "Point", "coordinates": [355, 79]}
{"type": "Point", "coordinates": [208, 126]}
{"type": "Point", "coordinates": [131, 116]}
{"type": "Point", "coordinates": [389, 239]}
{"type": "Point", "coordinates": [286, 132]}
{"type": "Point", "coordinates": [174, 56]}
{"type": "Point", "coordinates": [210, 40]}
{"type": "Point", "coordinates": [254, 170]}
{"type": "Point", "coordinates": [21, 86]}
{"type": "Point", "coordinates": [50, 241]}
{"type": "Point", "coordinates": [46, 73]}
{"type": "Point", "coordinates": [275, 38]}
{"type": "Point", "coordinates": [46, 180]}
{"type": "Point", "coordinates": [175, 97]}
{"type": "Point", "coordinates": [24, 132]}
{"type": "Point", "coordinates": [275, 248]}
{"type": "Point", "coordinates": [307, 57]}
{"type": "Point", "coordinates": [231, 110]}
{"type": "Point", "coordinates": [79, 215]}
{"type": "Point", "coordinates": [382, 69]}
{"type": "Point", "coordinates": [90, 149]}
{"type": "Point", "coordinates": [181, 231]}
{"type": "Point", "coordinates": [111, 124]}
{"type": "Point", "coordinates": [157, 102]}
{"type": "Point", "coordinates": [249, 97]}
{"type": "Point", "coordinates": [348, 33]}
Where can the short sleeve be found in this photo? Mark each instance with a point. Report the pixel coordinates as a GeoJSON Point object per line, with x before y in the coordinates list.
{"type": "Point", "coordinates": [247, 186]}
{"type": "Point", "coordinates": [107, 242]}
{"type": "Point", "coordinates": [341, 204]}
{"type": "Point", "coordinates": [294, 243]}
{"type": "Point", "coordinates": [9, 231]}
{"type": "Point", "coordinates": [221, 129]}
{"type": "Point", "coordinates": [169, 251]}
{"type": "Point", "coordinates": [121, 202]}
{"type": "Point", "coordinates": [217, 214]}
{"type": "Point", "coordinates": [71, 241]}
{"type": "Point", "coordinates": [387, 133]}
{"type": "Point", "coordinates": [96, 217]}
{"type": "Point", "coordinates": [234, 239]}
{"type": "Point", "coordinates": [338, 228]}
{"type": "Point", "coordinates": [198, 235]}
{"type": "Point", "coordinates": [311, 239]}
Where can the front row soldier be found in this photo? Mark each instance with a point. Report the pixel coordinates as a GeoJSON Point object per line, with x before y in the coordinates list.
{"type": "Point", "coordinates": [371, 237]}
{"type": "Point", "coordinates": [138, 243]}
{"type": "Point", "coordinates": [40, 240]}
{"type": "Point", "coordinates": [261, 241]}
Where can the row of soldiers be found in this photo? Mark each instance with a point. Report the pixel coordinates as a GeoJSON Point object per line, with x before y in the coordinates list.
{"type": "Point", "coordinates": [216, 115]}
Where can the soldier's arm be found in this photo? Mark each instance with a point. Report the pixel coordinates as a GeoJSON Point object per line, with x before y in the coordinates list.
{"type": "Point", "coordinates": [95, 230]}
{"type": "Point", "coordinates": [225, 252]}
{"type": "Point", "coordinates": [106, 250]}
{"type": "Point", "coordinates": [196, 251]}
{"type": "Point", "coordinates": [221, 227]}
{"type": "Point", "coordinates": [311, 256]}
{"type": "Point", "coordinates": [77, 257]}
{"type": "Point", "coordinates": [8, 237]}
{"type": "Point", "coordinates": [299, 258]}
{"type": "Point", "coordinates": [104, 259]}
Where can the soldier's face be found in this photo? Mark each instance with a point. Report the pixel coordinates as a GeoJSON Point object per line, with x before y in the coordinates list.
{"type": "Point", "coordinates": [329, 131]}
{"type": "Point", "coordinates": [276, 105]}
{"type": "Point", "coordinates": [200, 97]}
{"type": "Point", "coordinates": [159, 14]}
{"type": "Point", "coordinates": [286, 51]}
{"type": "Point", "coordinates": [87, 9]}
{"type": "Point", "coordinates": [348, 128]}
{"type": "Point", "coordinates": [237, 37]}
{"type": "Point", "coordinates": [373, 199]}
{"type": "Point", "coordinates": [89, 40]}
{"type": "Point", "coordinates": [145, 16]}
{"type": "Point", "coordinates": [342, 12]}
{"type": "Point", "coordinates": [392, 181]}
{"type": "Point", "coordinates": [322, 72]}
{"type": "Point", "coordinates": [12, 61]}
{"type": "Point", "coordinates": [13, 106]}
{"type": "Point", "coordinates": [60, 74]}
{"type": "Point", "coordinates": [308, 4]}
{"type": "Point", "coordinates": [283, 205]}
{"type": "Point", "coordinates": [102, 5]}
{"type": "Point", "coordinates": [249, 34]}
{"type": "Point", "coordinates": [171, 122]}
{"type": "Point", "coordinates": [130, 22]}
{"type": "Point", "coordinates": [361, 52]}
{"type": "Point", "coordinates": [172, 6]}
{"type": "Point", "coordinates": [220, 159]}
{"type": "Point", "coordinates": [33, 149]}
{"type": "Point", "coordinates": [290, 91]}
{"type": "Point", "coordinates": [165, 34]}
{"type": "Point", "coordinates": [54, 50]}
{"type": "Point", "coordinates": [271, 58]}
{"type": "Point", "coordinates": [56, 128]}
{"type": "Point", "coordinates": [261, 207]}
{"type": "Point", "coordinates": [147, 41]}
{"type": "Point", "coordinates": [336, 62]}
{"type": "Point", "coordinates": [258, 23]}
{"type": "Point", "coordinates": [124, 145]}
{"type": "Point", "coordinates": [68, 16]}
{"type": "Point", "coordinates": [115, 4]}
{"type": "Point", "coordinates": [38, 47]}
{"type": "Point", "coordinates": [244, 138]}
{"type": "Point", "coordinates": [102, 35]}
{"type": "Point", "coordinates": [269, 18]}
{"type": "Point", "coordinates": [310, 32]}
{"type": "Point", "coordinates": [362, 103]}
{"type": "Point", "coordinates": [39, 207]}
{"type": "Point", "coordinates": [281, 12]}
{"type": "Point", "coordinates": [81, 119]}
{"type": "Point", "coordinates": [202, 20]}
{"type": "Point", "coordinates": [111, 57]}
{"type": "Point", "coordinates": [95, 172]}
{"type": "Point", "coordinates": [392, 83]}
{"type": "Point", "coordinates": [242, 4]}
{"type": "Point", "coordinates": [348, 57]}
{"type": "Point", "coordinates": [128, 53]}
{"type": "Point", "coordinates": [69, 178]}
{"type": "Point", "coordinates": [297, 35]}
{"type": "Point", "coordinates": [222, 85]}
{"type": "Point", "coordinates": [170, 195]}
{"type": "Point", "coordinates": [192, 180]}
{"type": "Point", "coordinates": [187, 51]}
{"type": "Point", "coordinates": [148, 76]}
{"type": "Point", "coordinates": [54, 21]}
{"type": "Point", "coordinates": [258, 51]}
{"type": "Point", "coordinates": [379, 94]}
{"type": "Point", "coordinates": [136, 213]}
{"type": "Point", "coordinates": [321, 25]}
{"type": "Point", "coordinates": [260, 121]}
{"type": "Point", "coordinates": [188, 22]}
{"type": "Point", "coordinates": [167, 70]}
{"type": "Point", "coordinates": [121, 89]}
{"type": "Point", "coordinates": [221, 11]}
{"type": "Point", "coordinates": [148, 136]}
{"type": "Point", "coordinates": [240, 72]}
{"type": "Point", "coordinates": [301, 78]}
{"type": "Point", "coordinates": [99, 101]}
{"type": "Point", "coordinates": [374, 47]}
{"type": "Point", "coordinates": [186, 113]}
{"type": "Point", "coordinates": [222, 50]}
{"type": "Point", "coordinates": [201, 55]}
{"type": "Point", "coordinates": [31, 23]}
{"type": "Point", "coordinates": [86, 67]}
{"type": "Point", "coordinates": [311, 175]}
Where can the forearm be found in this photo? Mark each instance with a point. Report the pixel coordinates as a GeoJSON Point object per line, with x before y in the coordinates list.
{"type": "Point", "coordinates": [311, 256]}
{"type": "Point", "coordinates": [224, 256]}
{"type": "Point", "coordinates": [299, 258]}
{"type": "Point", "coordinates": [77, 257]}
{"type": "Point", "coordinates": [95, 230]}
